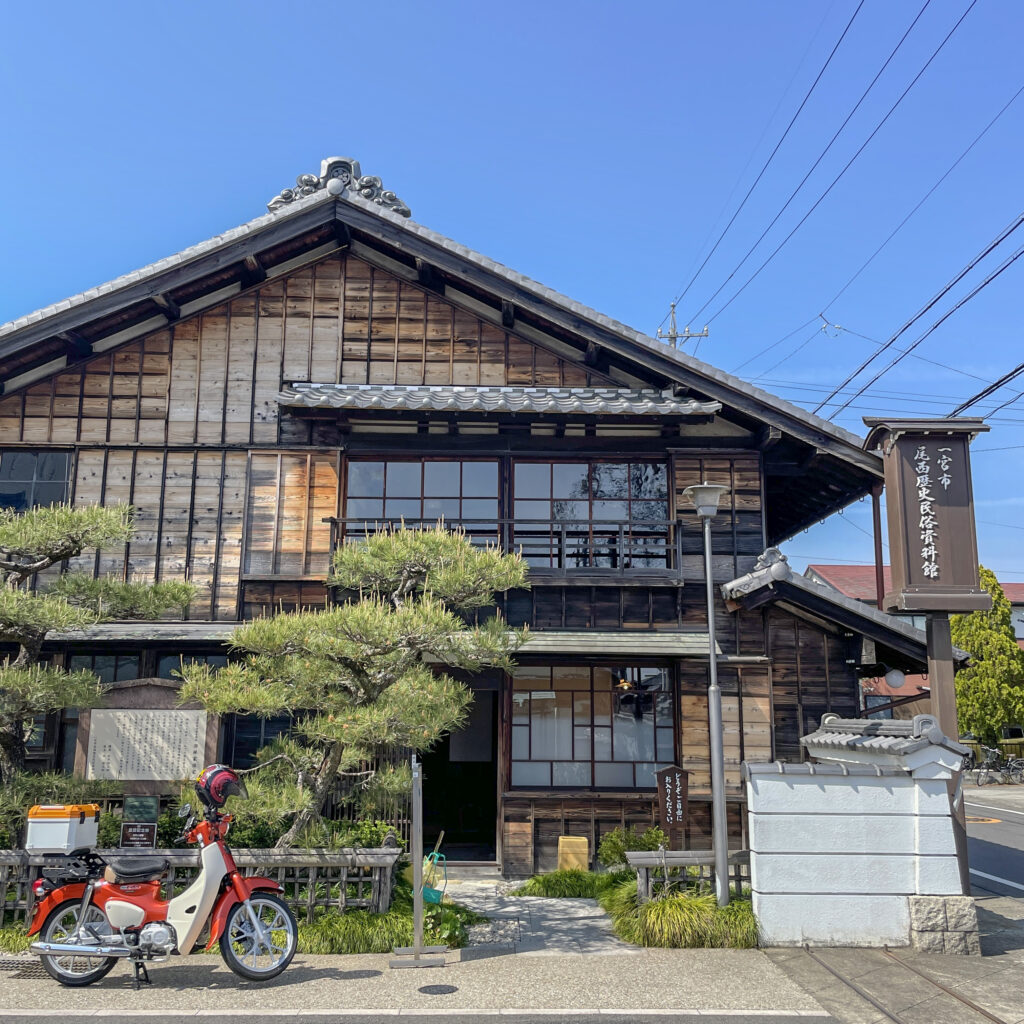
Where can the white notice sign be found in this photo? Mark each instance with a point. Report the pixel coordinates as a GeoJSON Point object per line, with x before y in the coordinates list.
{"type": "Point", "coordinates": [159, 746]}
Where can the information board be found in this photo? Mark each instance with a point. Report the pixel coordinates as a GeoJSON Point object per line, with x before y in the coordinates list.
{"type": "Point", "coordinates": [151, 746]}
{"type": "Point", "coordinates": [138, 835]}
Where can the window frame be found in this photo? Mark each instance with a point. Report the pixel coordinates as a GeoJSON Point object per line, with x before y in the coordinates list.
{"type": "Point", "coordinates": [670, 669]}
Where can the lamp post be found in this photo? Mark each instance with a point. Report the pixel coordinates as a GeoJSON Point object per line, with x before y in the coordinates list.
{"type": "Point", "coordinates": [705, 498]}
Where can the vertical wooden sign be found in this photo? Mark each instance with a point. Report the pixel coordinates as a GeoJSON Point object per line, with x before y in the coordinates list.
{"type": "Point", "coordinates": [673, 807]}
{"type": "Point", "coordinates": [933, 550]}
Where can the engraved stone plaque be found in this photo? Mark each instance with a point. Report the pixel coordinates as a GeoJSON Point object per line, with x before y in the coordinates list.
{"type": "Point", "coordinates": [155, 746]}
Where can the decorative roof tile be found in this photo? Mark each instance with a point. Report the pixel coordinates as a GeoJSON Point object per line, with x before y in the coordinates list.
{"type": "Point", "coordinates": [896, 737]}
{"type": "Point", "coordinates": [568, 401]}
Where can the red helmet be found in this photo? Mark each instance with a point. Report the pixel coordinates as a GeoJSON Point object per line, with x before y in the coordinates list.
{"type": "Point", "coordinates": [216, 783]}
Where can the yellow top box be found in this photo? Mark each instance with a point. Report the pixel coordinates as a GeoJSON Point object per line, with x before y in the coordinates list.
{"type": "Point", "coordinates": [66, 812]}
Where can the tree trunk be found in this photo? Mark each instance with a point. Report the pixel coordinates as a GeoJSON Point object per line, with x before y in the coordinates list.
{"type": "Point", "coordinates": [12, 750]}
{"type": "Point", "coordinates": [310, 814]}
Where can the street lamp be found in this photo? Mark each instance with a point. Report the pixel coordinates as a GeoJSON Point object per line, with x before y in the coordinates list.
{"type": "Point", "coordinates": [705, 498]}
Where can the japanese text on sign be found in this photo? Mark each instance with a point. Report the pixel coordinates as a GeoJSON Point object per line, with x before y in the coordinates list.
{"type": "Point", "coordinates": [146, 745]}
{"type": "Point", "coordinates": [927, 524]}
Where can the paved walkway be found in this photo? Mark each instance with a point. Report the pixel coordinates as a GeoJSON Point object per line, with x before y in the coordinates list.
{"type": "Point", "coordinates": [534, 926]}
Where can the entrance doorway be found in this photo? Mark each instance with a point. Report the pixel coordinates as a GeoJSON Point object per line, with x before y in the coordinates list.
{"type": "Point", "coordinates": [460, 786]}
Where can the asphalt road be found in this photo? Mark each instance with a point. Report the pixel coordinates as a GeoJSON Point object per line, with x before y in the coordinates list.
{"type": "Point", "coordinates": [995, 831]}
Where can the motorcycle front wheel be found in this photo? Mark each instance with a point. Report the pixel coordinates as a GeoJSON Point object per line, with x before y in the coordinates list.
{"type": "Point", "coordinates": [74, 970]}
{"type": "Point", "coordinates": [259, 940]}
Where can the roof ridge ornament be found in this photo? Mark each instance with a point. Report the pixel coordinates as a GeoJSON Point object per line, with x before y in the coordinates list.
{"type": "Point", "coordinates": [340, 174]}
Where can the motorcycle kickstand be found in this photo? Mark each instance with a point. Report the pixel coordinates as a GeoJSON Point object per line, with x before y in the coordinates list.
{"type": "Point", "coordinates": [141, 974]}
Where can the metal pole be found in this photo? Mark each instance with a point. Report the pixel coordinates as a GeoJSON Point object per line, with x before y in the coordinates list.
{"type": "Point", "coordinates": [719, 823]}
{"type": "Point", "coordinates": [943, 694]}
{"type": "Point", "coordinates": [417, 949]}
{"type": "Point", "coordinates": [417, 856]}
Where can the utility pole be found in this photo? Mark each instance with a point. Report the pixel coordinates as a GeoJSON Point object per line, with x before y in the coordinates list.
{"type": "Point", "coordinates": [673, 336]}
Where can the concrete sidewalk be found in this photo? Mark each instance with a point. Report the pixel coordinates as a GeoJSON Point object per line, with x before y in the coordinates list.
{"type": "Point", "coordinates": [743, 982]}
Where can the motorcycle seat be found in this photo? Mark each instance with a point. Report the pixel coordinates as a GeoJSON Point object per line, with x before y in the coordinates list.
{"type": "Point", "coordinates": [135, 869]}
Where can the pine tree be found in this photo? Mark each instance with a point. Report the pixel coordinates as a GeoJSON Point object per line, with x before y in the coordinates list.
{"type": "Point", "coordinates": [990, 693]}
{"type": "Point", "coordinates": [32, 606]}
{"type": "Point", "coordinates": [364, 677]}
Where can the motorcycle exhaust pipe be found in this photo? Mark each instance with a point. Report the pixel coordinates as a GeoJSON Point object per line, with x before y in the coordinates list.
{"type": "Point", "coordinates": [77, 949]}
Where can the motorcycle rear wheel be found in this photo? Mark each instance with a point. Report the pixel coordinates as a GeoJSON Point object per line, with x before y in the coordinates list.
{"type": "Point", "coordinates": [75, 971]}
{"type": "Point", "coordinates": [245, 953]}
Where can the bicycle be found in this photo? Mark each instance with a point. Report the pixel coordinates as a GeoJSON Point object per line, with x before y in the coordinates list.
{"type": "Point", "coordinates": [995, 768]}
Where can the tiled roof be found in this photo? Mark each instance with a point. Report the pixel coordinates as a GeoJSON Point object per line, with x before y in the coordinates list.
{"type": "Point", "coordinates": [817, 426]}
{"type": "Point", "coordinates": [897, 737]}
{"type": "Point", "coordinates": [856, 581]}
{"type": "Point", "coordinates": [584, 401]}
{"type": "Point", "coordinates": [772, 570]}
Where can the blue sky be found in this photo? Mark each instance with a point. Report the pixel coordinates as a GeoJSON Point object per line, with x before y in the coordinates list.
{"type": "Point", "coordinates": [598, 147]}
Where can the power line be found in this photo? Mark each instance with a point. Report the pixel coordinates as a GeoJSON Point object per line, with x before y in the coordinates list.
{"type": "Point", "coordinates": [798, 67]}
{"type": "Point", "coordinates": [849, 163]}
{"type": "Point", "coordinates": [994, 386]}
{"type": "Point", "coordinates": [1006, 106]}
{"type": "Point", "coordinates": [995, 243]}
{"type": "Point", "coordinates": [814, 166]}
{"type": "Point", "coordinates": [1006, 264]}
{"type": "Point", "coordinates": [926, 197]}
{"type": "Point", "coordinates": [760, 174]}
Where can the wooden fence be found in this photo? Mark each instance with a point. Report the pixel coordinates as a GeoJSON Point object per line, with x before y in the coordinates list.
{"type": "Point", "coordinates": [652, 867]}
{"type": "Point", "coordinates": [341, 879]}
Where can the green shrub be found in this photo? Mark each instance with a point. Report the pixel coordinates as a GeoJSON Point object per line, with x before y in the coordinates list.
{"type": "Point", "coordinates": [680, 919]}
{"type": "Point", "coordinates": [13, 939]}
{"type": "Point", "coordinates": [620, 841]}
{"type": "Point", "coordinates": [572, 883]}
{"type": "Point", "coordinates": [359, 931]}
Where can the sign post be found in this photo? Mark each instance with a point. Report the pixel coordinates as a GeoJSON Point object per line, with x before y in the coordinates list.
{"type": "Point", "coordinates": [933, 548]}
{"type": "Point", "coordinates": [138, 822]}
{"type": "Point", "coordinates": [417, 949]}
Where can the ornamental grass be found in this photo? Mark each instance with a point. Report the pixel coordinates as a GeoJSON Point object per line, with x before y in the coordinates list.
{"type": "Point", "coordinates": [679, 919]}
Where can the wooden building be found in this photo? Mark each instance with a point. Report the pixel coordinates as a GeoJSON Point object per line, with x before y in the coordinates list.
{"type": "Point", "coordinates": [266, 394]}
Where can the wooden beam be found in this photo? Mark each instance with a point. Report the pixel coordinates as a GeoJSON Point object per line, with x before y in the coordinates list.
{"type": "Point", "coordinates": [76, 346]}
{"type": "Point", "coordinates": [508, 314]}
{"type": "Point", "coordinates": [429, 277]}
{"type": "Point", "coordinates": [769, 437]}
{"type": "Point", "coordinates": [253, 272]}
{"type": "Point", "coordinates": [168, 307]}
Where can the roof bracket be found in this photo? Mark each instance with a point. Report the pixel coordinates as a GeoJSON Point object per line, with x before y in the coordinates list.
{"type": "Point", "coordinates": [77, 346]}
{"type": "Point", "coordinates": [253, 271]}
{"type": "Point", "coordinates": [167, 306]}
{"type": "Point", "coordinates": [508, 314]}
{"type": "Point", "coordinates": [429, 276]}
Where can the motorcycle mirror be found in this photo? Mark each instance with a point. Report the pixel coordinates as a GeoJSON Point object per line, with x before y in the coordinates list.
{"type": "Point", "coordinates": [184, 810]}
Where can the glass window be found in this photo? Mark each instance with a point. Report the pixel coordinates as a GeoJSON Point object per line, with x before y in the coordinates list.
{"type": "Point", "coordinates": [109, 668]}
{"type": "Point", "coordinates": [28, 479]}
{"type": "Point", "coordinates": [244, 735]}
{"type": "Point", "coordinates": [592, 515]}
{"type": "Point", "coordinates": [586, 726]}
{"type": "Point", "coordinates": [425, 490]}
{"type": "Point", "coordinates": [169, 664]}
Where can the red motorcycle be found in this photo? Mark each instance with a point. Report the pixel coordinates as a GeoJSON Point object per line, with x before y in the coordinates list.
{"type": "Point", "coordinates": [93, 912]}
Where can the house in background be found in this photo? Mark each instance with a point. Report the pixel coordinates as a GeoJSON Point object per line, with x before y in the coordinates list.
{"type": "Point", "coordinates": [283, 387]}
{"type": "Point", "coordinates": [880, 699]}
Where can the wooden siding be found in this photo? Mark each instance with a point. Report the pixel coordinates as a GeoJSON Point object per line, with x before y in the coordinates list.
{"type": "Point", "coordinates": [737, 532]}
{"type": "Point", "coordinates": [214, 378]}
{"type": "Point", "coordinates": [810, 676]}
